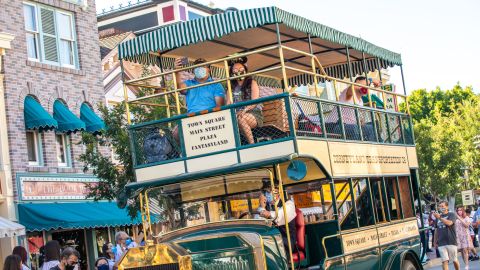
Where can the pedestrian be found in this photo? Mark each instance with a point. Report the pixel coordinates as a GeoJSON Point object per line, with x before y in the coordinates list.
{"type": "Point", "coordinates": [473, 252]}
{"type": "Point", "coordinates": [431, 223]}
{"type": "Point", "coordinates": [445, 237]}
{"type": "Point", "coordinates": [22, 253]}
{"type": "Point", "coordinates": [122, 246]}
{"type": "Point", "coordinates": [102, 264]}
{"type": "Point", "coordinates": [52, 254]}
{"type": "Point", "coordinates": [12, 262]}
{"type": "Point", "coordinates": [464, 241]}
{"type": "Point", "coordinates": [69, 259]}
{"type": "Point", "coordinates": [108, 253]}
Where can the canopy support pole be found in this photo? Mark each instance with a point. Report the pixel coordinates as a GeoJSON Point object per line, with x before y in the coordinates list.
{"type": "Point", "coordinates": [125, 93]}
{"type": "Point", "coordinates": [350, 74]}
{"type": "Point", "coordinates": [365, 71]}
{"type": "Point", "coordinates": [285, 216]}
{"type": "Point", "coordinates": [282, 60]}
{"type": "Point", "coordinates": [379, 68]}
{"type": "Point", "coordinates": [403, 81]}
{"type": "Point", "coordinates": [314, 69]}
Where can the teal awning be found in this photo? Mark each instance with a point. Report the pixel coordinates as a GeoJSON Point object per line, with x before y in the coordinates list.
{"type": "Point", "coordinates": [67, 121]}
{"type": "Point", "coordinates": [52, 216]}
{"type": "Point", "coordinates": [94, 124]}
{"type": "Point", "coordinates": [219, 25]}
{"type": "Point", "coordinates": [36, 117]}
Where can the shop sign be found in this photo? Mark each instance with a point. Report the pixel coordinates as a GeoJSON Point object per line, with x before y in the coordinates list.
{"type": "Point", "coordinates": [208, 133]}
{"type": "Point", "coordinates": [53, 188]}
{"type": "Point", "coordinates": [371, 238]}
{"type": "Point", "coordinates": [348, 159]}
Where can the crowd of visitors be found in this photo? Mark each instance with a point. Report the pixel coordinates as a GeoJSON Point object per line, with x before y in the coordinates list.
{"type": "Point", "coordinates": [452, 233]}
{"type": "Point", "coordinates": [56, 258]}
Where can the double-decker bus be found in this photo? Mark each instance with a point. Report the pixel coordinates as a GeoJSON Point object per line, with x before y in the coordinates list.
{"type": "Point", "coordinates": [349, 169]}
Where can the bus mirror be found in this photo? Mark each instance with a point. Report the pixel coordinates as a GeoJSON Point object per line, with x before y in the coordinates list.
{"type": "Point", "coordinates": [297, 170]}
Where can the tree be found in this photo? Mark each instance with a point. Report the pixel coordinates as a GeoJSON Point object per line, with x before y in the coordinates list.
{"type": "Point", "coordinates": [445, 124]}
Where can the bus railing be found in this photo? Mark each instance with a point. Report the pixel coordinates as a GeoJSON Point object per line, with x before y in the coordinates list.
{"type": "Point", "coordinates": [284, 118]}
{"type": "Point", "coordinates": [315, 67]}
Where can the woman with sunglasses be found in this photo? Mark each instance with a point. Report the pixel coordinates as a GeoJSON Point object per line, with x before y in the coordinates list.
{"type": "Point", "coordinates": [245, 88]}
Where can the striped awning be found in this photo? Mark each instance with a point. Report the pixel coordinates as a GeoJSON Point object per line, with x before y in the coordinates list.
{"type": "Point", "coordinates": [213, 27]}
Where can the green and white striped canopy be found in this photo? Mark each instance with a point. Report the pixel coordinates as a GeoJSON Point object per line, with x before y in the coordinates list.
{"type": "Point", "coordinates": [219, 35]}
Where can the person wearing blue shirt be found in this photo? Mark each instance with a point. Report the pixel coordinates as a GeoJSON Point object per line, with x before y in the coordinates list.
{"type": "Point", "coordinates": [204, 97]}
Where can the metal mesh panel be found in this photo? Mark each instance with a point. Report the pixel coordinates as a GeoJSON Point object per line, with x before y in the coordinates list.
{"type": "Point", "coordinates": [368, 128]}
{"type": "Point", "coordinates": [269, 121]}
{"type": "Point", "coordinates": [382, 127]}
{"type": "Point", "coordinates": [395, 130]}
{"type": "Point", "coordinates": [156, 142]}
{"type": "Point", "coordinates": [332, 122]}
{"type": "Point", "coordinates": [407, 130]}
{"type": "Point", "coordinates": [307, 118]}
{"type": "Point", "coordinates": [350, 124]}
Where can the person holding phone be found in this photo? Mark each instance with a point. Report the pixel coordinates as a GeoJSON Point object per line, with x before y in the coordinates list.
{"type": "Point", "coordinates": [203, 97]}
{"type": "Point", "coordinates": [445, 236]}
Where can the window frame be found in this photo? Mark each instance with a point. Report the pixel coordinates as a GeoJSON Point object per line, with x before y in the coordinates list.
{"type": "Point", "coordinates": [37, 141]}
{"type": "Point", "coordinates": [66, 150]}
{"type": "Point", "coordinates": [39, 42]}
{"type": "Point", "coordinates": [35, 33]}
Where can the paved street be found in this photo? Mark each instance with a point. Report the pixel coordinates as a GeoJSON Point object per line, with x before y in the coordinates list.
{"type": "Point", "coordinates": [436, 263]}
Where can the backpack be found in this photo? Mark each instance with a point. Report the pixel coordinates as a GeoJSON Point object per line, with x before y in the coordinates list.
{"type": "Point", "coordinates": [156, 146]}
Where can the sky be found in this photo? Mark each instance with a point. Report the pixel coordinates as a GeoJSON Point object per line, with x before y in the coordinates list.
{"type": "Point", "coordinates": [439, 40]}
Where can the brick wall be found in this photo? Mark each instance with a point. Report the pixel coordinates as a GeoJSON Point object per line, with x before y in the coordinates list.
{"type": "Point", "coordinates": [48, 83]}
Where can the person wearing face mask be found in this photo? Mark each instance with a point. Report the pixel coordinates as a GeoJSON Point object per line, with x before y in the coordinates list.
{"type": "Point", "coordinates": [203, 97]}
{"type": "Point", "coordinates": [102, 264]}
{"type": "Point", "coordinates": [269, 198]}
{"type": "Point", "coordinates": [243, 89]}
{"type": "Point", "coordinates": [445, 236]}
{"type": "Point", "coordinates": [69, 259]}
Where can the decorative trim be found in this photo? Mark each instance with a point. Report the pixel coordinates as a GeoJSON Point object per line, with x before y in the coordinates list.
{"type": "Point", "coordinates": [78, 72]}
{"type": "Point", "coordinates": [5, 41]}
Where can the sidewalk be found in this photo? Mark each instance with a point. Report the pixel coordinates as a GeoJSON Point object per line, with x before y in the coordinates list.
{"type": "Point", "coordinates": [436, 263]}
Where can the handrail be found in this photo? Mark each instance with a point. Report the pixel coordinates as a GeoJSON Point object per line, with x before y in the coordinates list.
{"type": "Point", "coordinates": [203, 64]}
{"type": "Point", "coordinates": [202, 84]}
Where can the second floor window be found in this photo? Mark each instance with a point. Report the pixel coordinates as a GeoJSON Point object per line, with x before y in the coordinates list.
{"type": "Point", "coordinates": [50, 35]}
{"type": "Point", "coordinates": [34, 148]}
{"type": "Point", "coordinates": [63, 150]}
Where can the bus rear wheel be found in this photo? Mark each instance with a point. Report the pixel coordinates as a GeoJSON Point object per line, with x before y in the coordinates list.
{"type": "Point", "coordinates": [409, 265]}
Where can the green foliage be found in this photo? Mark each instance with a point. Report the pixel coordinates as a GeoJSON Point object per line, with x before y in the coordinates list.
{"type": "Point", "coordinates": [445, 125]}
{"type": "Point", "coordinates": [114, 176]}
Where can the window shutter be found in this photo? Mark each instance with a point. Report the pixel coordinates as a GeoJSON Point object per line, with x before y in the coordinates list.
{"type": "Point", "coordinates": [49, 38]}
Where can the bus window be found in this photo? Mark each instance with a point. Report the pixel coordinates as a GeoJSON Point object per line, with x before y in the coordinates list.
{"type": "Point", "coordinates": [363, 202]}
{"type": "Point", "coordinates": [379, 200]}
{"type": "Point", "coordinates": [314, 199]}
{"type": "Point", "coordinates": [363, 216]}
{"type": "Point", "coordinates": [405, 196]}
{"type": "Point", "coordinates": [393, 198]}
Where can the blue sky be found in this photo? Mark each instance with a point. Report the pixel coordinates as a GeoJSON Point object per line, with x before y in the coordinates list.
{"type": "Point", "coordinates": [439, 40]}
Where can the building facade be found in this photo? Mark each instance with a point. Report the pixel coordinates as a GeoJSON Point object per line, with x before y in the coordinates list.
{"type": "Point", "coordinates": [146, 15]}
{"type": "Point", "coordinates": [52, 87]}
